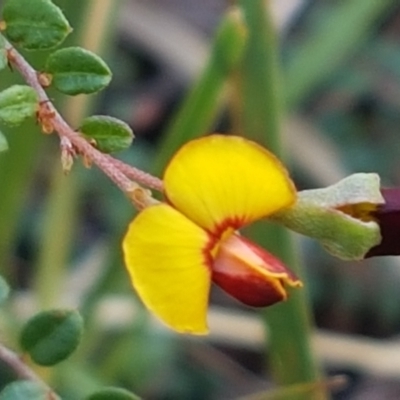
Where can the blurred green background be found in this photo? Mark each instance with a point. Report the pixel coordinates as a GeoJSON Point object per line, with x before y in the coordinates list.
{"type": "Point", "coordinates": [60, 235]}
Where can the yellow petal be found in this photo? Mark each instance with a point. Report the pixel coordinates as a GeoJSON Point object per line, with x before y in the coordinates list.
{"type": "Point", "coordinates": [166, 257]}
{"type": "Point", "coordinates": [223, 181]}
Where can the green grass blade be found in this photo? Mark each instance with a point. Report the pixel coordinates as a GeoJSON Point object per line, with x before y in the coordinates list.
{"type": "Point", "coordinates": [347, 27]}
{"type": "Point", "coordinates": [200, 108]}
{"type": "Point", "coordinates": [260, 94]}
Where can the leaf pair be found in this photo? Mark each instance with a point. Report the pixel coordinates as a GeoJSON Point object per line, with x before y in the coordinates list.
{"type": "Point", "coordinates": [41, 25]}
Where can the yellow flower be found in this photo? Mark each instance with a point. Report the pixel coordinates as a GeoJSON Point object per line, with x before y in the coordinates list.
{"type": "Point", "coordinates": [174, 250]}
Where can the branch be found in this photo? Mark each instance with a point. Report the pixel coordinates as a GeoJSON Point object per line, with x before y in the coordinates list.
{"type": "Point", "coordinates": [126, 177]}
{"type": "Point", "coordinates": [22, 370]}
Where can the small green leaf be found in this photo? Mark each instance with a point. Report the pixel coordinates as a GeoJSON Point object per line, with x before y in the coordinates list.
{"type": "Point", "coordinates": [112, 394]}
{"type": "Point", "coordinates": [110, 134]}
{"type": "Point", "coordinates": [51, 336]}
{"type": "Point", "coordinates": [17, 103]}
{"type": "Point", "coordinates": [3, 143]}
{"type": "Point", "coordinates": [23, 390]}
{"type": "Point", "coordinates": [3, 53]}
{"type": "Point", "coordinates": [76, 70]}
{"type": "Point", "coordinates": [35, 24]}
{"type": "Point", "coordinates": [4, 289]}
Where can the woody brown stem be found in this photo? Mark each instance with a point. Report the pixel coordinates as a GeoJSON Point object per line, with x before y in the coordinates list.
{"type": "Point", "coordinates": [126, 177]}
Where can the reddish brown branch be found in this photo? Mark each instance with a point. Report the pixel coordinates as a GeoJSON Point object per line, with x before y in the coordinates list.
{"type": "Point", "coordinates": [137, 175]}
{"type": "Point", "coordinates": [21, 369]}
{"type": "Point", "coordinates": [123, 175]}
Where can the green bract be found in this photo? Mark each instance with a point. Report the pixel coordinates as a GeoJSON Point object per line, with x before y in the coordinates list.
{"type": "Point", "coordinates": [75, 70]}
{"type": "Point", "coordinates": [3, 143]}
{"type": "Point", "coordinates": [50, 337]}
{"type": "Point", "coordinates": [109, 134]}
{"type": "Point", "coordinates": [17, 103]}
{"type": "Point", "coordinates": [35, 24]}
{"type": "Point", "coordinates": [3, 53]}
{"type": "Point", "coordinates": [319, 213]}
{"type": "Point", "coordinates": [23, 390]}
{"type": "Point", "coordinates": [113, 394]}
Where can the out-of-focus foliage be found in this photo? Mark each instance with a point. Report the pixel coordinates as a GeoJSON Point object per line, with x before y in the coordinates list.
{"type": "Point", "coordinates": [354, 107]}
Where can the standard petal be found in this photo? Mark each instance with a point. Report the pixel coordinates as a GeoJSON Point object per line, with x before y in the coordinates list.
{"type": "Point", "coordinates": [166, 257]}
{"type": "Point", "coordinates": [223, 181]}
{"type": "Point", "coordinates": [251, 274]}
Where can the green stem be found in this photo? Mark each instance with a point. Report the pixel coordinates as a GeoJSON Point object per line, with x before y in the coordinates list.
{"type": "Point", "coordinates": [260, 95]}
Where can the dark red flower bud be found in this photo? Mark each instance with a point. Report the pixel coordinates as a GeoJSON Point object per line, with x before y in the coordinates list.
{"type": "Point", "coordinates": [387, 216]}
{"type": "Point", "coordinates": [251, 274]}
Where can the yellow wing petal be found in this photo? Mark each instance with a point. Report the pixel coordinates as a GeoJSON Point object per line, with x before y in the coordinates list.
{"type": "Point", "coordinates": [166, 258]}
{"type": "Point", "coordinates": [219, 181]}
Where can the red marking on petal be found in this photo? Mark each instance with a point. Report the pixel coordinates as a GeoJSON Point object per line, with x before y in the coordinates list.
{"type": "Point", "coordinates": [210, 250]}
{"type": "Point", "coordinates": [229, 224]}
{"type": "Point", "coordinates": [221, 232]}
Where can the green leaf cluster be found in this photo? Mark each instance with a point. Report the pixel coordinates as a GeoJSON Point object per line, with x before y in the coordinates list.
{"type": "Point", "coordinates": [41, 25]}
{"type": "Point", "coordinates": [50, 337]}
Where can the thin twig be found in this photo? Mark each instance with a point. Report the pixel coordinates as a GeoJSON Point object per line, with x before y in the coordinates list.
{"type": "Point", "coordinates": [22, 370]}
{"type": "Point", "coordinates": [119, 172]}
{"type": "Point", "coordinates": [137, 175]}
